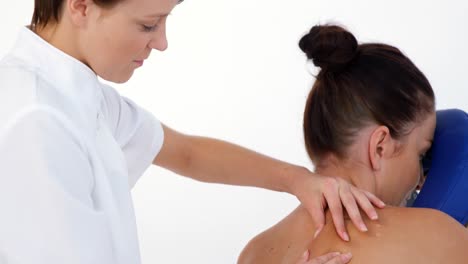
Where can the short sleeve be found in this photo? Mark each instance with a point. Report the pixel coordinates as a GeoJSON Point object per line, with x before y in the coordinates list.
{"type": "Point", "coordinates": [139, 134]}
{"type": "Point", "coordinates": [47, 211]}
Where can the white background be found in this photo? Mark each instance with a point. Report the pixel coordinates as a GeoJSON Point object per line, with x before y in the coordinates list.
{"type": "Point", "coordinates": [233, 71]}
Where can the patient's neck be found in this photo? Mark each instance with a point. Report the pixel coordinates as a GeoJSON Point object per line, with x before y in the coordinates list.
{"type": "Point", "coordinates": [357, 173]}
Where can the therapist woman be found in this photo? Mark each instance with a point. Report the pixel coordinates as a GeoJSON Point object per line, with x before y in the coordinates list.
{"type": "Point", "coordinates": [71, 148]}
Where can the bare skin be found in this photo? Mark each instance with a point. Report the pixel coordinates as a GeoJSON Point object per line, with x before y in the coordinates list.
{"type": "Point", "coordinates": [390, 168]}
{"type": "Point", "coordinates": [114, 42]}
{"type": "Point", "coordinates": [401, 235]}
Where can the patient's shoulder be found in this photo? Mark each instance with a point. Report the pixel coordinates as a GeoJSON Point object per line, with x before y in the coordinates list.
{"type": "Point", "coordinates": [281, 242]}
{"type": "Point", "coordinates": [401, 235]}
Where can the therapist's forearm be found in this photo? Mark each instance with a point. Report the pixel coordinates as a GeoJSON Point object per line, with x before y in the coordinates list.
{"type": "Point", "coordinates": [217, 161]}
{"type": "Point", "coordinates": [212, 160]}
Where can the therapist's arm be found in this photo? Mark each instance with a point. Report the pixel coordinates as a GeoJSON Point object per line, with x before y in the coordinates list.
{"type": "Point", "coordinates": [211, 160]}
{"type": "Point", "coordinates": [47, 214]}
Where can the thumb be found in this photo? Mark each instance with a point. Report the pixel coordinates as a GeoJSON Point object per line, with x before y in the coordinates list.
{"type": "Point", "coordinates": [318, 217]}
{"type": "Point", "coordinates": [304, 258]}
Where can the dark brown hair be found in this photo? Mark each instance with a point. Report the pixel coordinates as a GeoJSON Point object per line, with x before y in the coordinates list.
{"type": "Point", "coordinates": [359, 85]}
{"type": "Point", "coordinates": [46, 11]}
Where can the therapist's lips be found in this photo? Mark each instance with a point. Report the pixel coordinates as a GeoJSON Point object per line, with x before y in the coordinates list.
{"type": "Point", "coordinates": [139, 63]}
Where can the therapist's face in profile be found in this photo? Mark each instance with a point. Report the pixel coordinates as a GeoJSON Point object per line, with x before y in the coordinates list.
{"type": "Point", "coordinates": [116, 40]}
{"type": "Point", "coordinates": [401, 172]}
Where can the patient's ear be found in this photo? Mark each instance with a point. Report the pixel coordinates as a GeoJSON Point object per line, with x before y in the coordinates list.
{"type": "Point", "coordinates": [381, 146]}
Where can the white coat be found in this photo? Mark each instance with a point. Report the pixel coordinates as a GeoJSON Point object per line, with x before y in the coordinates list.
{"type": "Point", "coordinates": [71, 149]}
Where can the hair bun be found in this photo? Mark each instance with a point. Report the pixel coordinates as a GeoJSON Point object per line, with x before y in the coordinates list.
{"type": "Point", "coordinates": [330, 47]}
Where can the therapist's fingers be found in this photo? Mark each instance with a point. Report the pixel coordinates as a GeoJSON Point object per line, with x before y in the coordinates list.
{"type": "Point", "coordinates": [332, 195]}
{"type": "Point", "coordinates": [330, 258]}
{"type": "Point", "coordinates": [374, 199]}
{"type": "Point", "coordinates": [317, 192]}
{"type": "Point", "coordinates": [349, 202]}
{"type": "Point", "coordinates": [318, 216]}
{"type": "Point", "coordinates": [364, 199]}
{"type": "Point", "coordinates": [304, 258]}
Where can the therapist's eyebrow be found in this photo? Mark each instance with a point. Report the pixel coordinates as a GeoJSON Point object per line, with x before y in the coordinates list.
{"type": "Point", "coordinates": [157, 15]}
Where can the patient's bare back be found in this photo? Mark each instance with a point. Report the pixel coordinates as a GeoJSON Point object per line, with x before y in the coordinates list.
{"type": "Point", "coordinates": [401, 235]}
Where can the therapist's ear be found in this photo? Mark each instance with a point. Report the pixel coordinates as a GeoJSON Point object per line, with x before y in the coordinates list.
{"type": "Point", "coordinates": [78, 11]}
{"type": "Point", "coordinates": [381, 146]}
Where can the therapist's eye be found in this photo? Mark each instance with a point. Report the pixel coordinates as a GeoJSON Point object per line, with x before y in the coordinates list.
{"type": "Point", "coordinates": [152, 26]}
{"type": "Point", "coordinates": [146, 28]}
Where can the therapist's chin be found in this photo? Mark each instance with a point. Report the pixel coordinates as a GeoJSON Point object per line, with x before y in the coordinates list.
{"type": "Point", "coordinates": [119, 78]}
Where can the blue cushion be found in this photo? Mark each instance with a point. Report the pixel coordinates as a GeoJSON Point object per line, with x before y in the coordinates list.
{"type": "Point", "coordinates": [446, 186]}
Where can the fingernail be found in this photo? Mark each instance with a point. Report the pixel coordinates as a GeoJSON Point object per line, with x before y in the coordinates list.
{"type": "Point", "coordinates": [335, 254]}
{"type": "Point", "coordinates": [317, 232]}
{"type": "Point", "coordinates": [346, 257]}
{"type": "Point", "coordinates": [363, 227]}
{"type": "Point", "coordinates": [345, 236]}
{"type": "Point", "coordinates": [374, 216]}
{"type": "Point", "coordinates": [382, 203]}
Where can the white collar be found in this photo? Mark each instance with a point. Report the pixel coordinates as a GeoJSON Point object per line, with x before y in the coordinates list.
{"type": "Point", "coordinates": [61, 70]}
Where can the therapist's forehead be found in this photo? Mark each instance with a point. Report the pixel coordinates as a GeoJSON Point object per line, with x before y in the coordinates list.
{"type": "Point", "coordinates": [149, 8]}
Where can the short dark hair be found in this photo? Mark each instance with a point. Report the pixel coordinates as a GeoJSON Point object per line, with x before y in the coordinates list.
{"type": "Point", "coordinates": [359, 85]}
{"type": "Point", "coordinates": [46, 11]}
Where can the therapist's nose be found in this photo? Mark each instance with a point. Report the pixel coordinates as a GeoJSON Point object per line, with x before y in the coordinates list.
{"type": "Point", "coordinates": [159, 40]}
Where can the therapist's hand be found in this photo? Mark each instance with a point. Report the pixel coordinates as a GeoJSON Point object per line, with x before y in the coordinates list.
{"type": "Point", "coordinates": [330, 258]}
{"type": "Point", "coordinates": [317, 192]}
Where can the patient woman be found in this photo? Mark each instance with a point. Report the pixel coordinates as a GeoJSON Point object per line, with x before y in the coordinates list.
{"type": "Point", "coordinates": [369, 119]}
